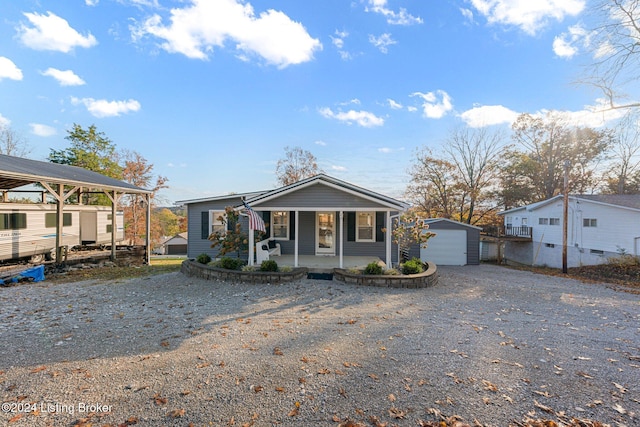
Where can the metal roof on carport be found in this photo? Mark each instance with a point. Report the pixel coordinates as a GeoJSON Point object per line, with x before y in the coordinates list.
{"type": "Point", "coordinates": [17, 172]}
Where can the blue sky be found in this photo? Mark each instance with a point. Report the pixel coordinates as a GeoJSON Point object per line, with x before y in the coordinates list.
{"type": "Point", "coordinates": [212, 91]}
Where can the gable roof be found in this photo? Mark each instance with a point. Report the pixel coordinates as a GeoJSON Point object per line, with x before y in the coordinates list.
{"type": "Point", "coordinates": [224, 197]}
{"type": "Point", "coordinates": [330, 182]}
{"type": "Point", "coordinates": [434, 220]}
{"type": "Point", "coordinates": [17, 172]}
{"type": "Point", "coordinates": [624, 201]}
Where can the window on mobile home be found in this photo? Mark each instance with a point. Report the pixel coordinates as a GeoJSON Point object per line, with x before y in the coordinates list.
{"type": "Point", "coordinates": [50, 219]}
{"type": "Point", "coordinates": [13, 221]}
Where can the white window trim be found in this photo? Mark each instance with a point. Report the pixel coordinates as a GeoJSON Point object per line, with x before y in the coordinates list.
{"type": "Point", "coordinates": [287, 225]}
{"type": "Point", "coordinates": [373, 227]}
{"type": "Point", "coordinates": [213, 220]}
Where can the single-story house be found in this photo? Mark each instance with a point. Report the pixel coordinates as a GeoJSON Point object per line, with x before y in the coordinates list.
{"type": "Point", "coordinates": [176, 245]}
{"type": "Point", "coordinates": [454, 243]}
{"type": "Point", "coordinates": [317, 216]}
{"type": "Point", "coordinates": [598, 227]}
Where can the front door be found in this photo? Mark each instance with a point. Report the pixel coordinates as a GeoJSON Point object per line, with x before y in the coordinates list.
{"type": "Point", "coordinates": [325, 233]}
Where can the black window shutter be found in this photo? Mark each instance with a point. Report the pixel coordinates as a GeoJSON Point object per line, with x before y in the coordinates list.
{"type": "Point", "coordinates": [380, 226]}
{"type": "Point", "coordinates": [266, 217]}
{"type": "Point", "coordinates": [292, 225]}
{"type": "Point", "coordinates": [351, 226]}
{"type": "Point", "coordinates": [204, 225]}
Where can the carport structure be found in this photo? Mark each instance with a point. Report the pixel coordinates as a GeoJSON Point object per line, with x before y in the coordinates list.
{"type": "Point", "coordinates": [62, 181]}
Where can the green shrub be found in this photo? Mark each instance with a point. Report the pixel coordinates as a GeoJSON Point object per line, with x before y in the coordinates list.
{"type": "Point", "coordinates": [286, 269]}
{"type": "Point", "coordinates": [203, 259]}
{"type": "Point", "coordinates": [413, 266]}
{"type": "Point", "coordinates": [391, 272]}
{"type": "Point", "coordinates": [229, 263]}
{"type": "Point", "coordinates": [269, 265]}
{"type": "Point", "coordinates": [373, 268]}
{"type": "Point", "coordinates": [249, 268]}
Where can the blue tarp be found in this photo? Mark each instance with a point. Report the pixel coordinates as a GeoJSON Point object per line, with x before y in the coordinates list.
{"type": "Point", "coordinates": [33, 274]}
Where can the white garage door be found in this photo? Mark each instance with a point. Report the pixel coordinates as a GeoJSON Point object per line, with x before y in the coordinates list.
{"type": "Point", "coordinates": [447, 247]}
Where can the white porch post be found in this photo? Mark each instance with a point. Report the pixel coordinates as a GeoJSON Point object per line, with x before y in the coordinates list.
{"type": "Point", "coordinates": [295, 248]}
{"type": "Point", "coordinates": [388, 240]}
{"type": "Point", "coordinates": [251, 245]}
{"type": "Point", "coordinates": [341, 216]}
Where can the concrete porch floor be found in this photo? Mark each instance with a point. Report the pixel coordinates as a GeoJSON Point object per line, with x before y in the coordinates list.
{"type": "Point", "coordinates": [325, 264]}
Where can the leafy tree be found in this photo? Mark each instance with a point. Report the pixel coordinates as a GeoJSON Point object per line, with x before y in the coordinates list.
{"type": "Point", "coordinates": [167, 221]}
{"type": "Point", "coordinates": [12, 143]}
{"type": "Point", "coordinates": [296, 165]}
{"type": "Point", "coordinates": [139, 172]}
{"type": "Point", "coordinates": [232, 238]}
{"type": "Point", "coordinates": [91, 150]}
{"type": "Point", "coordinates": [546, 142]}
{"type": "Point", "coordinates": [410, 228]}
{"type": "Point", "coordinates": [615, 48]}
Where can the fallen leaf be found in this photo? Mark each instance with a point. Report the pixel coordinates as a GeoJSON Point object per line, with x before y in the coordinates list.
{"type": "Point", "coordinates": [176, 413]}
{"type": "Point", "coordinates": [543, 407]}
{"type": "Point", "coordinates": [38, 369]}
{"type": "Point", "coordinates": [620, 409]}
{"type": "Point", "coordinates": [278, 352]}
{"type": "Point", "coordinates": [397, 413]}
{"type": "Point", "coordinates": [391, 398]}
{"type": "Point", "coordinates": [159, 400]}
{"type": "Point", "coordinates": [621, 388]}
{"type": "Point", "coordinates": [294, 412]}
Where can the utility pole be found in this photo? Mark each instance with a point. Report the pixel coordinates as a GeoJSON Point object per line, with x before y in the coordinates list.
{"type": "Point", "coordinates": [565, 215]}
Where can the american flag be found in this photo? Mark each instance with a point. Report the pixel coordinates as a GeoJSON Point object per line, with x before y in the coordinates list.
{"type": "Point", "coordinates": [255, 221]}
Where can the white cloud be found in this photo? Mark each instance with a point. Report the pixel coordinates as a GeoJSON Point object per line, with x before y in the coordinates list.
{"type": "Point", "coordinates": [382, 42]}
{"type": "Point", "coordinates": [467, 13]}
{"type": "Point", "coordinates": [488, 115]}
{"type": "Point", "coordinates": [4, 121]}
{"type": "Point", "coordinates": [50, 32]}
{"type": "Point", "coordinates": [594, 116]}
{"type": "Point", "coordinates": [321, 143]}
{"type": "Point", "coordinates": [197, 29]}
{"type": "Point", "coordinates": [91, 2]}
{"type": "Point", "coordinates": [362, 118]}
{"type": "Point", "coordinates": [529, 15]}
{"type": "Point", "coordinates": [354, 101]}
{"type": "Point", "coordinates": [402, 17]}
{"type": "Point", "coordinates": [42, 130]}
{"type": "Point", "coordinates": [389, 150]}
{"type": "Point", "coordinates": [567, 44]}
{"type": "Point", "coordinates": [432, 107]}
{"type": "Point", "coordinates": [65, 78]}
{"type": "Point", "coordinates": [412, 109]}
{"type": "Point", "coordinates": [338, 168]}
{"type": "Point", "coordinates": [393, 104]}
{"type": "Point", "coordinates": [9, 70]}
{"type": "Point", "coordinates": [103, 108]}
{"type": "Point", "coordinates": [338, 42]}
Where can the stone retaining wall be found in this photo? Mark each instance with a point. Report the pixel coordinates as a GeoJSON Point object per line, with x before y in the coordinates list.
{"type": "Point", "coordinates": [427, 278]}
{"type": "Point", "coordinates": [195, 269]}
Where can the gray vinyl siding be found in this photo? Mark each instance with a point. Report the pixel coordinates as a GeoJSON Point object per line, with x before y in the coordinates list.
{"type": "Point", "coordinates": [197, 245]}
{"type": "Point", "coordinates": [307, 240]}
{"type": "Point", "coordinates": [319, 195]}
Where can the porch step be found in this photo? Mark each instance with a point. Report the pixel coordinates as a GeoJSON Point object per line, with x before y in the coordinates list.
{"type": "Point", "coordinates": [320, 274]}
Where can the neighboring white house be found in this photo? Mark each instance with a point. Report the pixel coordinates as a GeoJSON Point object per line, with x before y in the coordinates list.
{"type": "Point", "coordinates": [599, 227]}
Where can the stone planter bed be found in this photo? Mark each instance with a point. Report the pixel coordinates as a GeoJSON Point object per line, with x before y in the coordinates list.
{"type": "Point", "coordinates": [427, 278]}
{"type": "Point", "coordinates": [195, 269]}
{"type": "Point", "coordinates": [413, 281]}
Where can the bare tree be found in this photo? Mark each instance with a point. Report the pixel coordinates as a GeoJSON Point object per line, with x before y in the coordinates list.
{"type": "Point", "coordinates": [615, 48]}
{"type": "Point", "coordinates": [458, 184]}
{"type": "Point", "coordinates": [297, 164]}
{"type": "Point", "coordinates": [476, 154]}
{"type": "Point", "coordinates": [621, 177]}
{"type": "Point", "coordinates": [12, 143]}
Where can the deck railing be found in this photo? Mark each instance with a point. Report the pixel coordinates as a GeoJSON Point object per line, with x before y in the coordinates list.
{"type": "Point", "coordinates": [507, 231]}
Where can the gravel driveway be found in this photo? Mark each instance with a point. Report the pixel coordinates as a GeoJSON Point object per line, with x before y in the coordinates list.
{"type": "Point", "coordinates": [491, 345]}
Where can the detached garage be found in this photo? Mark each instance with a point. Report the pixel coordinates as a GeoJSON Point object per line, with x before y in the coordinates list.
{"type": "Point", "coordinates": [455, 243]}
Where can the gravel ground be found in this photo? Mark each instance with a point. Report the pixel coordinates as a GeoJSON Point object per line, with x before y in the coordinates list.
{"type": "Point", "coordinates": [491, 345]}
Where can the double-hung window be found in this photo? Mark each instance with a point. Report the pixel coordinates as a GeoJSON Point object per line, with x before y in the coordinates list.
{"type": "Point", "coordinates": [554, 221]}
{"type": "Point", "coordinates": [589, 222]}
{"type": "Point", "coordinates": [217, 221]}
{"type": "Point", "coordinates": [365, 227]}
{"type": "Point", "coordinates": [280, 225]}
